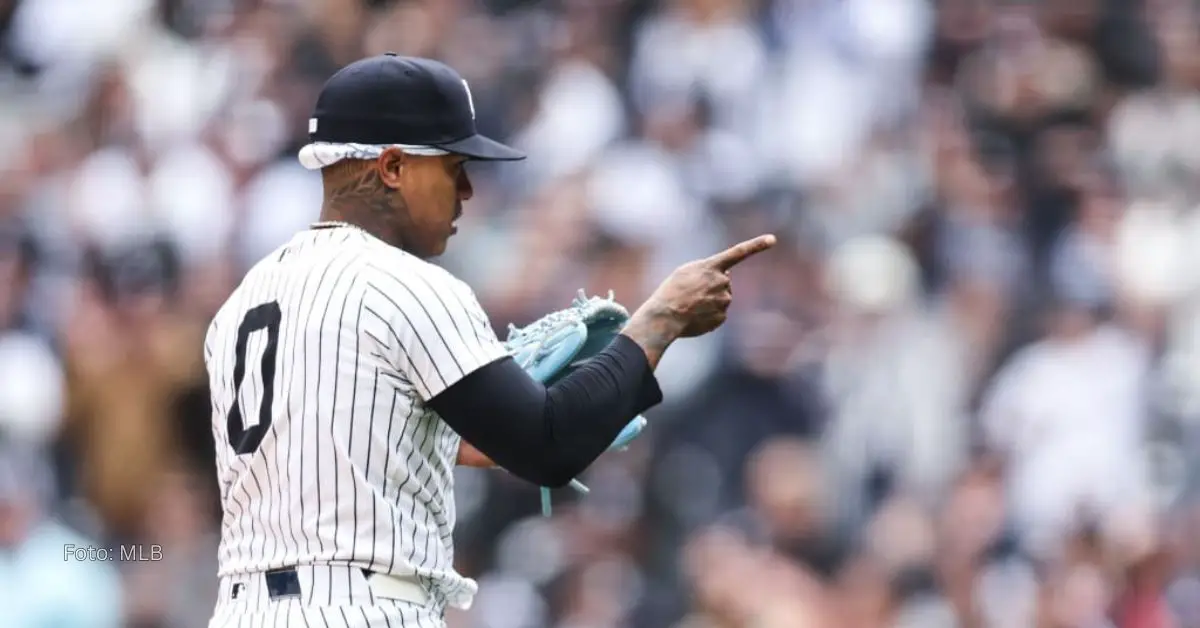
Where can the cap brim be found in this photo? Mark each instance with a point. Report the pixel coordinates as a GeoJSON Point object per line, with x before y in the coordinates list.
{"type": "Point", "coordinates": [482, 148]}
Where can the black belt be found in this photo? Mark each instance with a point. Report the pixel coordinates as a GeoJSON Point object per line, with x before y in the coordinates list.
{"type": "Point", "coordinates": [282, 583]}
{"type": "Point", "coordinates": [285, 582]}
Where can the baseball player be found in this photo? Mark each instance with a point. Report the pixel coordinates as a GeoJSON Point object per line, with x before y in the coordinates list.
{"type": "Point", "coordinates": [348, 374]}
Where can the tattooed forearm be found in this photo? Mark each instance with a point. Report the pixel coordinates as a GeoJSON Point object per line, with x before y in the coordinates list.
{"type": "Point", "coordinates": [653, 328]}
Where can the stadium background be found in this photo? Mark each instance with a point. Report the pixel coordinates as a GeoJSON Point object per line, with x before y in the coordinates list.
{"type": "Point", "coordinates": [964, 391]}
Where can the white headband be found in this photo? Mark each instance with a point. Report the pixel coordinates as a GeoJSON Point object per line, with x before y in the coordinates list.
{"type": "Point", "coordinates": [321, 154]}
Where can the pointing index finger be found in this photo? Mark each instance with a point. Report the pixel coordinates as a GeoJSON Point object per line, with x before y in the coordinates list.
{"type": "Point", "coordinates": [737, 253]}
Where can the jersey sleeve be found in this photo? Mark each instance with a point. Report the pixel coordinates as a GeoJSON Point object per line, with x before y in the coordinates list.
{"type": "Point", "coordinates": [430, 326]}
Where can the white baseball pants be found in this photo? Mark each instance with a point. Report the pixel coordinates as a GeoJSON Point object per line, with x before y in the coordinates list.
{"type": "Point", "coordinates": [321, 596]}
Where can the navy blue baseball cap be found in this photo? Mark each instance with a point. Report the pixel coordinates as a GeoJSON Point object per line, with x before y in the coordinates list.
{"type": "Point", "coordinates": [394, 99]}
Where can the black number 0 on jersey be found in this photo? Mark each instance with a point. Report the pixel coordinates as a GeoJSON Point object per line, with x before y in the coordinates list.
{"type": "Point", "coordinates": [246, 440]}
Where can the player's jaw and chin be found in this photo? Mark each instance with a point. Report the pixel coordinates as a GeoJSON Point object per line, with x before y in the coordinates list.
{"type": "Point", "coordinates": [434, 202]}
{"type": "Point", "coordinates": [463, 191]}
{"type": "Point", "coordinates": [449, 229]}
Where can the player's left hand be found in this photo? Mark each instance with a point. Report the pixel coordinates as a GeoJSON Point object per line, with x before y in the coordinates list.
{"type": "Point", "coordinates": [468, 456]}
{"type": "Point", "coordinates": [559, 342]}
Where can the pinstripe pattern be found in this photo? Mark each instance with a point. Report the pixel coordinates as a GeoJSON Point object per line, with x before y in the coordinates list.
{"type": "Point", "coordinates": [353, 470]}
{"type": "Point", "coordinates": [282, 615]}
{"type": "Point", "coordinates": [353, 604]}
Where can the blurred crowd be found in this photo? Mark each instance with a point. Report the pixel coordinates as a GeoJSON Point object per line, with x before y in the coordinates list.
{"type": "Point", "coordinates": [964, 392]}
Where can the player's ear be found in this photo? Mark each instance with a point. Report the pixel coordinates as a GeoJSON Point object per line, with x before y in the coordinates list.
{"type": "Point", "coordinates": [391, 167]}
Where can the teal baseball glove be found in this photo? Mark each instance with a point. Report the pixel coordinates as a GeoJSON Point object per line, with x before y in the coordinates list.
{"type": "Point", "coordinates": [560, 342]}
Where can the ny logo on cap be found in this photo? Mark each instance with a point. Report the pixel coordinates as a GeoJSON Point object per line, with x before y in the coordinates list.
{"type": "Point", "coordinates": [470, 100]}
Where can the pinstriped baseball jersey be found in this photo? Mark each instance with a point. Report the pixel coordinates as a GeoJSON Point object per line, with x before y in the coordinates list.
{"type": "Point", "coordinates": [320, 364]}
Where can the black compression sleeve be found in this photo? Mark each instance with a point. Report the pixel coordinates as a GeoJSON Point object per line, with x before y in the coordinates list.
{"type": "Point", "coordinates": [549, 435]}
